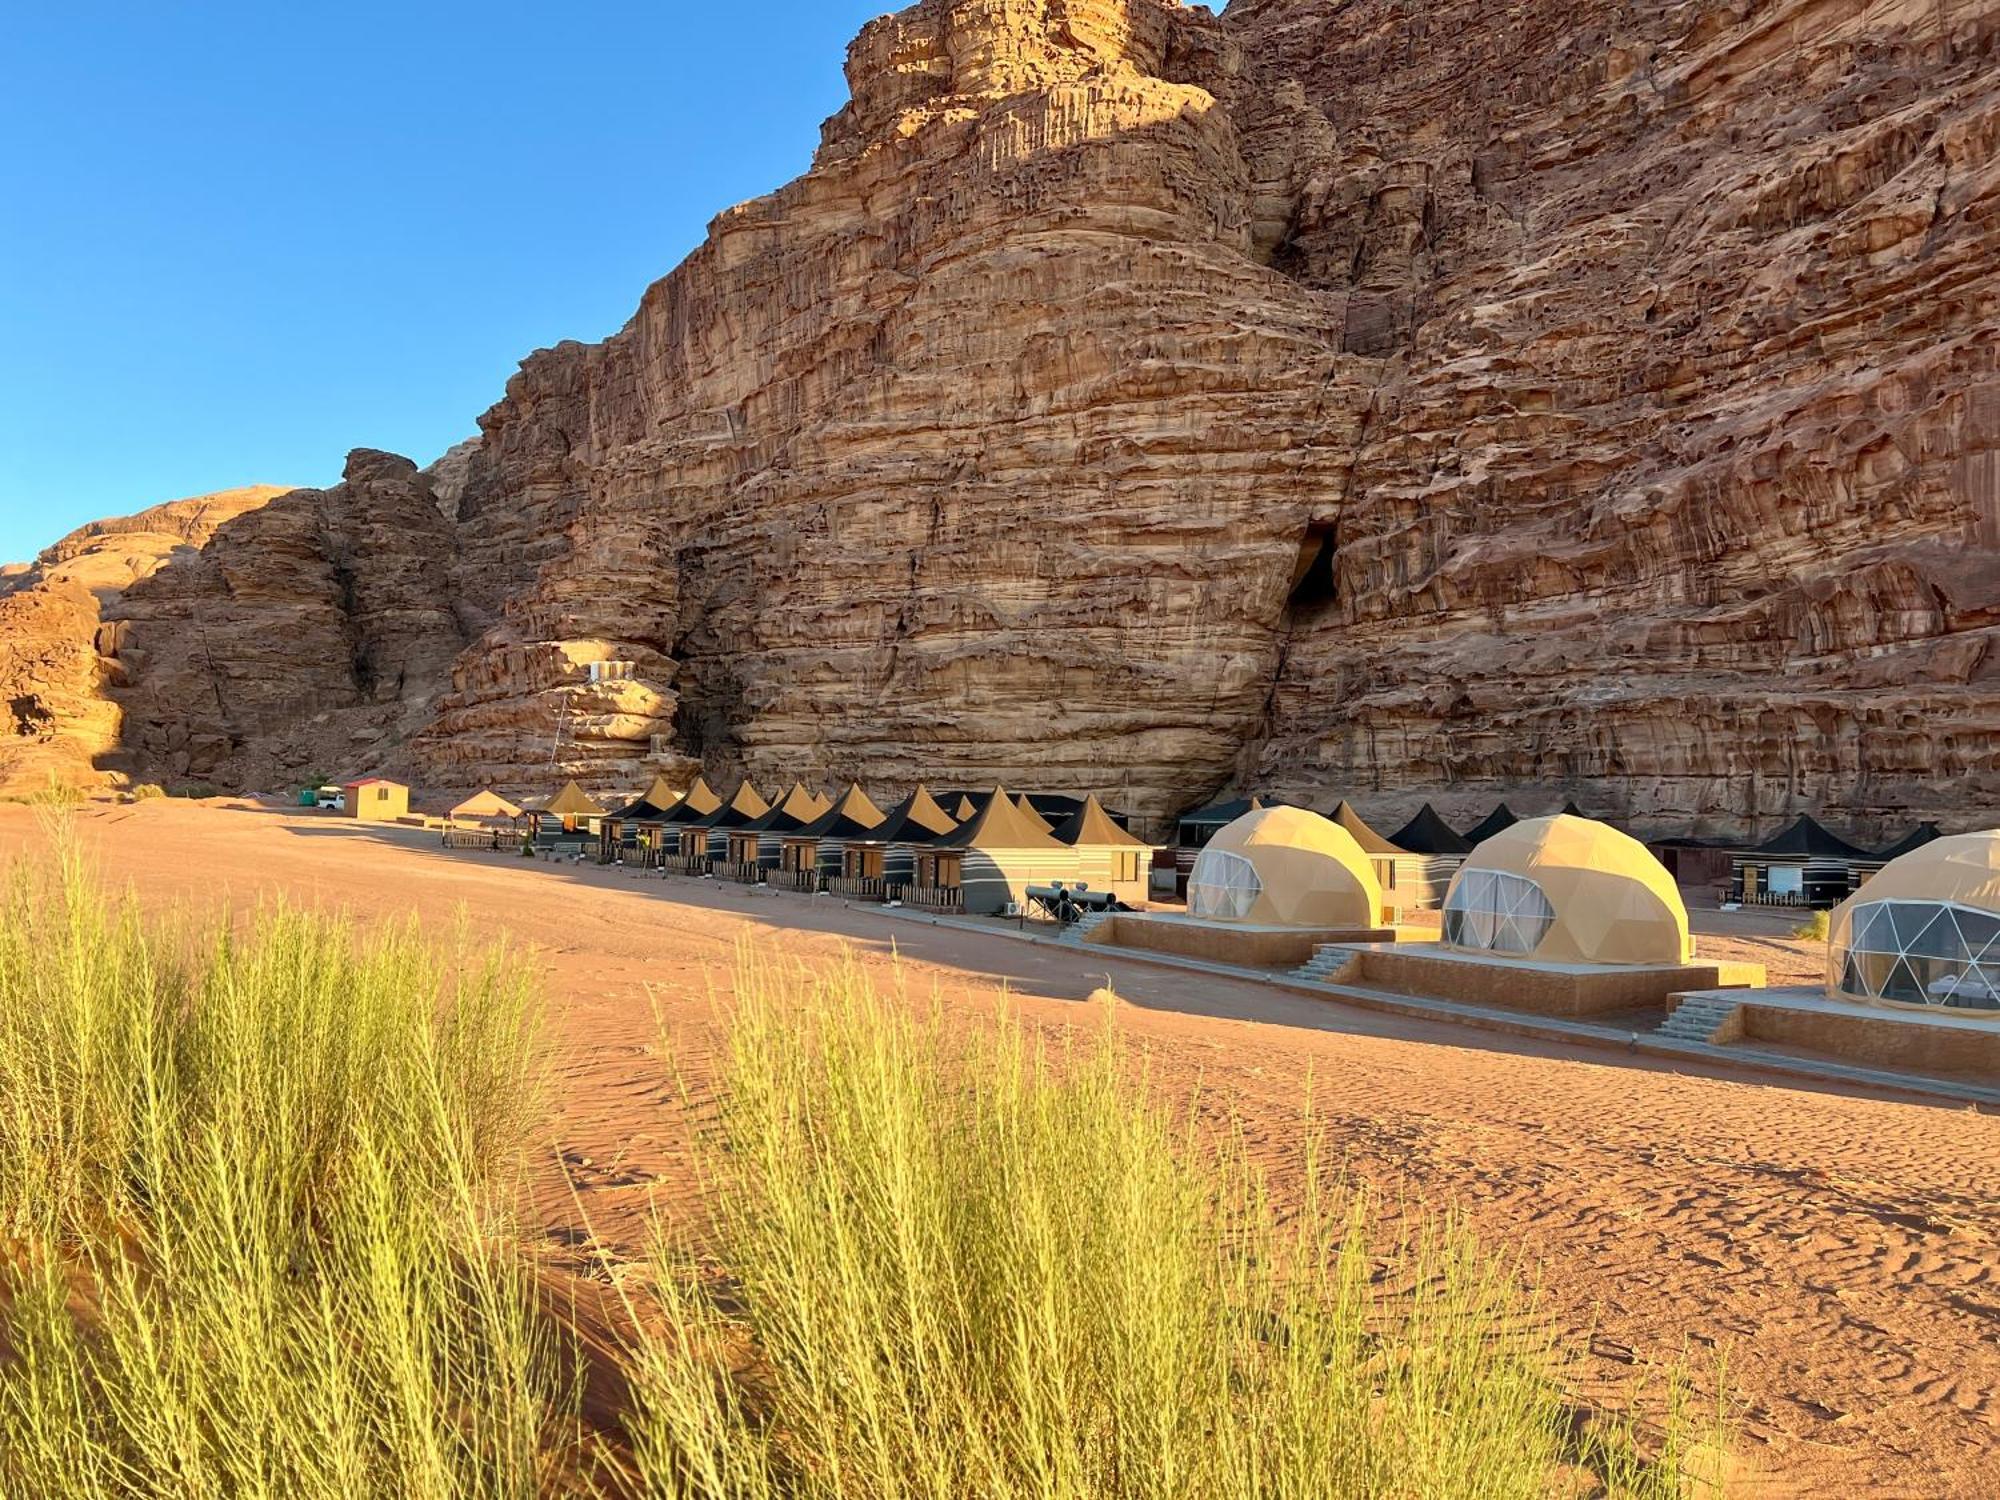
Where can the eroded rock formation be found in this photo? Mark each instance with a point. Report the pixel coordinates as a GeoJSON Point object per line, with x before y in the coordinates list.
{"type": "Point", "coordinates": [1498, 399]}
{"type": "Point", "coordinates": [59, 721]}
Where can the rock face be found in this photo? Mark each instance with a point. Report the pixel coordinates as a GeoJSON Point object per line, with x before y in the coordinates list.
{"type": "Point", "coordinates": [309, 637]}
{"type": "Point", "coordinates": [1497, 399]}
{"type": "Point", "coordinates": [59, 721]}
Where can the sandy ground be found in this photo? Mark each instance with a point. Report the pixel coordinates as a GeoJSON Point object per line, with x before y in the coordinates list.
{"type": "Point", "coordinates": [1839, 1248]}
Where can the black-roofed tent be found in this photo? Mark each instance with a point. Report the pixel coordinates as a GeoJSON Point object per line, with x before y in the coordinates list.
{"type": "Point", "coordinates": [1432, 851]}
{"type": "Point", "coordinates": [880, 864]}
{"type": "Point", "coordinates": [1808, 865]}
{"type": "Point", "coordinates": [1916, 838]}
{"type": "Point", "coordinates": [1498, 821]}
{"type": "Point", "coordinates": [985, 865]}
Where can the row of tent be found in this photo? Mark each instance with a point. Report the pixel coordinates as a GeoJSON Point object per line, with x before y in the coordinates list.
{"type": "Point", "coordinates": [963, 850]}
{"type": "Point", "coordinates": [1428, 834]}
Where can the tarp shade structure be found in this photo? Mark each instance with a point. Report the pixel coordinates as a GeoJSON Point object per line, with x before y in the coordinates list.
{"type": "Point", "coordinates": [1370, 841]}
{"type": "Point", "coordinates": [1427, 833]}
{"type": "Point", "coordinates": [571, 802]}
{"type": "Point", "coordinates": [1809, 839]}
{"type": "Point", "coordinates": [699, 802]}
{"type": "Point", "coordinates": [1924, 932]}
{"type": "Point", "coordinates": [917, 819]}
{"type": "Point", "coordinates": [794, 810]}
{"type": "Point", "coordinates": [1029, 812]}
{"type": "Point", "coordinates": [1566, 890]}
{"type": "Point", "coordinates": [745, 805]}
{"type": "Point", "coordinates": [1284, 866]}
{"type": "Point", "coordinates": [486, 804]}
{"type": "Point", "coordinates": [852, 817]}
{"type": "Point", "coordinates": [1091, 824]}
{"type": "Point", "coordinates": [1000, 824]}
{"type": "Point", "coordinates": [1499, 820]}
{"type": "Point", "coordinates": [1909, 843]}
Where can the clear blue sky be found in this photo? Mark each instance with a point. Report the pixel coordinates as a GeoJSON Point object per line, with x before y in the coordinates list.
{"type": "Point", "coordinates": [237, 240]}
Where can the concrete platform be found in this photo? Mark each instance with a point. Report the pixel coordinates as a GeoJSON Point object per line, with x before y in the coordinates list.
{"type": "Point", "coordinates": [1534, 985]}
{"type": "Point", "coordinates": [1922, 1041]}
{"type": "Point", "coordinates": [1246, 945]}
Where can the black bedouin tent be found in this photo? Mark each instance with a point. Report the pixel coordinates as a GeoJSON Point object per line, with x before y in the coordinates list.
{"type": "Point", "coordinates": [1498, 821]}
{"type": "Point", "coordinates": [1427, 833]}
{"type": "Point", "coordinates": [1916, 838]}
{"type": "Point", "coordinates": [1808, 838]}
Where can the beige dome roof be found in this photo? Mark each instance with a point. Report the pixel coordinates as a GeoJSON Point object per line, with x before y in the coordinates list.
{"type": "Point", "coordinates": [1924, 930]}
{"type": "Point", "coordinates": [1284, 866]}
{"type": "Point", "coordinates": [1569, 890]}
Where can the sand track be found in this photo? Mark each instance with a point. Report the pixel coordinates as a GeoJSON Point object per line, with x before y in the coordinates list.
{"type": "Point", "coordinates": [1841, 1248]}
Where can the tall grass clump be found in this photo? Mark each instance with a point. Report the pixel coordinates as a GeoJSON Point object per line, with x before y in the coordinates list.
{"type": "Point", "coordinates": [945, 1266]}
{"type": "Point", "coordinates": [256, 1225]}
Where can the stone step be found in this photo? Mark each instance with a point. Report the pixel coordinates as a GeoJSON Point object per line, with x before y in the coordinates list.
{"type": "Point", "coordinates": [1699, 1020]}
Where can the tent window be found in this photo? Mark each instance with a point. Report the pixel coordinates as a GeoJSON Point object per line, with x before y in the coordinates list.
{"type": "Point", "coordinates": [1223, 885]}
{"type": "Point", "coordinates": [1919, 953]}
{"type": "Point", "coordinates": [1496, 912]}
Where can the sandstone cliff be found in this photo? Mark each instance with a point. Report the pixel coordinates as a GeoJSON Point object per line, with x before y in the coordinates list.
{"type": "Point", "coordinates": [1453, 401]}
{"type": "Point", "coordinates": [59, 718]}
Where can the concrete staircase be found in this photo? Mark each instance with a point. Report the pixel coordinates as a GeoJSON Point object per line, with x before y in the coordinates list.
{"type": "Point", "coordinates": [1701, 1018]}
{"type": "Point", "coordinates": [1323, 965]}
{"type": "Point", "coordinates": [1079, 931]}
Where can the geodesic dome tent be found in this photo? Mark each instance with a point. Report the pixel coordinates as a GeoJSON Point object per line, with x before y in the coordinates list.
{"type": "Point", "coordinates": [1285, 867]}
{"type": "Point", "coordinates": [1924, 931]}
{"type": "Point", "coordinates": [1569, 890]}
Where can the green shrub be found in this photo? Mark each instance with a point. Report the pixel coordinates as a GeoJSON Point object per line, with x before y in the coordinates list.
{"type": "Point", "coordinates": [1813, 929]}
{"type": "Point", "coordinates": [256, 1191]}
{"type": "Point", "coordinates": [959, 1268]}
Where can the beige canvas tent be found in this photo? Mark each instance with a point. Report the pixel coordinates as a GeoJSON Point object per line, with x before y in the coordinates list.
{"type": "Point", "coordinates": [881, 864]}
{"type": "Point", "coordinates": [756, 848]}
{"type": "Point", "coordinates": [487, 809]}
{"type": "Point", "coordinates": [816, 853]}
{"type": "Point", "coordinates": [1567, 890]}
{"type": "Point", "coordinates": [1107, 857]}
{"type": "Point", "coordinates": [572, 808]}
{"type": "Point", "coordinates": [1924, 931]}
{"type": "Point", "coordinates": [987, 864]}
{"type": "Point", "coordinates": [1285, 867]}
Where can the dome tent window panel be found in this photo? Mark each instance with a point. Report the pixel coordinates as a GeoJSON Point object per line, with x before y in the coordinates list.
{"type": "Point", "coordinates": [1497, 912]}
{"type": "Point", "coordinates": [1223, 885]}
{"type": "Point", "coordinates": [1921, 953]}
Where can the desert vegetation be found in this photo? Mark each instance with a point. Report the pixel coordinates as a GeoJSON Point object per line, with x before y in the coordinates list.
{"type": "Point", "coordinates": [261, 1209]}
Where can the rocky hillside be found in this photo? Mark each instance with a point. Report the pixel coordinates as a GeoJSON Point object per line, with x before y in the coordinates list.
{"type": "Point", "coordinates": [55, 670]}
{"type": "Point", "coordinates": [1351, 398]}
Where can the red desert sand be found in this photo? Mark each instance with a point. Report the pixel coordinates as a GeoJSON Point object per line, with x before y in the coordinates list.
{"type": "Point", "coordinates": [1838, 1248]}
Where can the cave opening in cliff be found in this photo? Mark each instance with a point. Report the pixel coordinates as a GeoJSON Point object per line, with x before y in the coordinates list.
{"type": "Point", "coordinates": [1313, 583]}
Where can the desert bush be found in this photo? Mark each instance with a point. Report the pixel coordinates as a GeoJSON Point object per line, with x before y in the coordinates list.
{"type": "Point", "coordinates": [1814, 929]}
{"type": "Point", "coordinates": [943, 1268]}
{"type": "Point", "coordinates": [146, 791]}
{"type": "Point", "coordinates": [255, 1199]}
